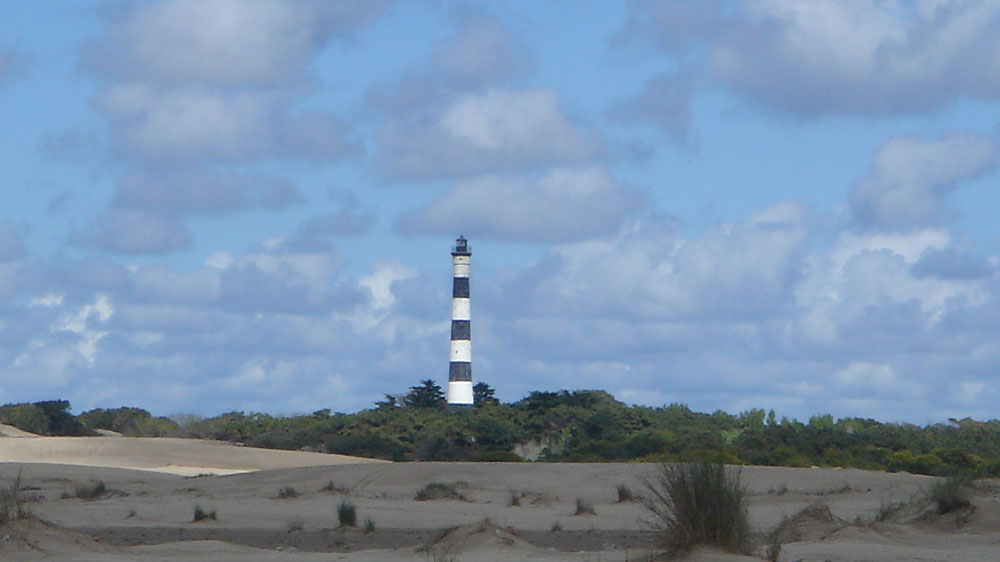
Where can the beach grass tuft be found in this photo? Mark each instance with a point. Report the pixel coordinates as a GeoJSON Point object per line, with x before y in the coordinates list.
{"type": "Point", "coordinates": [699, 503]}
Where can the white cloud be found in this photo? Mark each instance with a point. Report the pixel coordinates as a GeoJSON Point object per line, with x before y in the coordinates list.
{"type": "Point", "coordinates": [201, 191]}
{"type": "Point", "coordinates": [792, 56]}
{"type": "Point", "coordinates": [910, 177]}
{"type": "Point", "coordinates": [499, 129]}
{"type": "Point", "coordinates": [564, 204]}
{"type": "Point", "coordinates": [84, 323]}
{"type": "Point", "coordinates": [481, 52]}
{"type": "Point", "coordinates": [225, 42]}
{"type": "Point", "coordinates": [124, 231]}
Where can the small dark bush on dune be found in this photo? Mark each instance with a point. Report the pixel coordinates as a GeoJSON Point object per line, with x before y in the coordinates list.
{"type": "Point", "coordinates": [439, 491]}
{"type": "Point", "coordinates": [200, 514]}
{"type": "Point", "coordinates": [624, 494]}
{"type": "Point", "coordinates": [700, 503]}
{"type": "Point", "coordinates": [287, 492]}
{"type": "Point", "coordinates": [347, 514]}
{"type": "Point", "coordinates": [951, 494]}
{"type": "Point", "coordinates": [584, 508]}
{"type": "Point", "coordinates": [91, 491]}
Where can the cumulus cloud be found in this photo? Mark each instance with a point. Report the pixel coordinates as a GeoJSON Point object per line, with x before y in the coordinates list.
{"type": "Point", "coordinates": [190, 80]}
{"type": "Point", "coordinates": [126, 231]}
{"type": "Point", "coordinates": [202, 124]}
{"type": "Point", "coordinates": [666, 103]}
{"type": "Point", "coordinates": [291, 318]}
{"type": "Point", "coordinates": [498, 129]}
{"type": "Point", "coordinates": [225, 42]}
{"type": "Point", "coordinates": [193, 91]}
{"type": "Point", "coordinates": [790, 56]}
{"type": "Point", "coordinates": [950, 263]}
{"type": "Point", "coordinates": [910, 177]}
{"type": "Point", "coordinates": [201, 191]}
{"type": "Point", "coordinates": [481, 52]}
{"type": "Point", "coordinates": [562, 205]}
{"type": "Point", "coordinates": [740, 270]}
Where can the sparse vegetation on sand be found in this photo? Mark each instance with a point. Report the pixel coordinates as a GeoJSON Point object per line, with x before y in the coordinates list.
{"type": "Point", "coordinates": [624, 494]}
{"type": "Point", "coordinates": [287, 492]}
{"type": "Point", "coordinates": [584, 507]}
{"type": "Point", "coordinates": [950, 494]}
{"type": "Point", "coordinates": [201, 515]}
{"type": "Point", "coordinates": [91, 491]}
{"type": "Point", "coordinates": [12, 502]}
{"type": "Point", "coordinates": [347, 514]}
{"type": "Point", "coordinates": [439, 491]}
{"type": "Point", "coordinates": [331, 487]}
{"type": "Point", "coordinates": [699, 503]}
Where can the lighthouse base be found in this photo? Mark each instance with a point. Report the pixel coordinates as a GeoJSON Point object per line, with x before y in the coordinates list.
{"type": "Point", "coordinates": [460, 393]}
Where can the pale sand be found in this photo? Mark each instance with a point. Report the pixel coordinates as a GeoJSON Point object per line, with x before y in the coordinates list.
{"type": "Point", "coordinates": [148, 515]}
{"type": "Point", "coordinates": [186, 457]}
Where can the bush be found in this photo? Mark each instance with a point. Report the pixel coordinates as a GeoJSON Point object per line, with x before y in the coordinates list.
{"type": "Point", "coordinates": [584, 508]}
{"type": "Point", "coordinates": [624, 494]}
{"type": "Point", "coordinates": [950, 494]}
{"type": "Point", "coordinates": [701, 503]}
{"type": "Point", "coordinates": [200, 514]}
{"type": "Point", "coordinates": [91, 491]}
{"type": "Point", "coordinates": [369, 525]}
{"type": "Point", "coordinates": [347, 514]}
{"type": "Point", "coordinates": [331, 487]}
{"type": "Point", "coordinates": [287, 492]}
{"type": "Point", "coordinates": [439, 491]}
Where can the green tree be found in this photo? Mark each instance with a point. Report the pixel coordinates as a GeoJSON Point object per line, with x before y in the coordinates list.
{"type": "Point", "coordinates": [482, 395]}
{"type": "Point", "coordinates": [426, 395]}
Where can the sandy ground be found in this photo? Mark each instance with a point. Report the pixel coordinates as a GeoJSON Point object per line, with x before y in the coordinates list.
{"type": "Point", "coordinates": [147, 515]}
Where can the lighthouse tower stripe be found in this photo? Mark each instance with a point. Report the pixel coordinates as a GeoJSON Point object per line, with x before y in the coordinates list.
{"type": "Point", "coordinates": [460, 352]}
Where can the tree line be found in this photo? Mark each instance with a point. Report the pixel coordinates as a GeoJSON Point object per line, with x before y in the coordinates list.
{"type": "Point", "coordinates": [563, 426]}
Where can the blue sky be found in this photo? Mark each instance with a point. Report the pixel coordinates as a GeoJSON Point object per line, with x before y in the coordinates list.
{"type": "Point", "coordinates": [249, 205]}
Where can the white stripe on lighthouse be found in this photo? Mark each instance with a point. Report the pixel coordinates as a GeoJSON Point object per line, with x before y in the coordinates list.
{"type": "Point", "coordinates": [460, 309]}
{"type": "Point", "coordinates": [461, 350]}
{"type": "Point", "coordinates": [460, 392]}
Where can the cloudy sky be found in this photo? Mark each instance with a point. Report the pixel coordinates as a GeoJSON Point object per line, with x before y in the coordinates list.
{"type": "Point", "coordinates": [734, 204]}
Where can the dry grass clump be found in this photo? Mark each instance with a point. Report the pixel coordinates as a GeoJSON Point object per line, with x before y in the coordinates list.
{"type": "Point", "coordinates": [583, 507]}
{"type": "Point", "coordinates": [347, 514]}
{"type": "Point", "coordinates": [12, 502]}
{"type": "Point", "coordinates": [91, 491]}
{"type": "Point", "coordinates": [625, 494]}
{"type": "Point", "coordinates": [950, 494]}
{"type": "Point", "coordinates": [702, 503]}
{"type": "Point", "coordinates": [331, 487]}
{"type": "Point", "coordinates": [201, 515]}
{"type": "Point", "coordinates": [287, 493]}
{"type": "Point", "coordinates": [439, 491]}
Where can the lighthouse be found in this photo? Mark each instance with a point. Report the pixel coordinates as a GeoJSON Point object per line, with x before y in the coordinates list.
{"type": "Point", "coordinates": [460, 366]}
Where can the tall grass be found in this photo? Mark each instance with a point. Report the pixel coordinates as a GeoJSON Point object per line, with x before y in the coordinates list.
{"type": "Point", "coordinates": [700, 503]}
{"type": "Point", "coordinates": [347, 514]}
{"type": "Point", "coordinates": [12, 502]}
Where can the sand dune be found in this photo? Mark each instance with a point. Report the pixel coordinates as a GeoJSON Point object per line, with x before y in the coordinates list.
{"type": "Point", "coordinates": [506, 512]}
{"type": "Point", "coordinates": [177, 456]}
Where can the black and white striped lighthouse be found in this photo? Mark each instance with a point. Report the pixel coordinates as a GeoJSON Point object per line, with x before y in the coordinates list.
{"type": "Point", "coordinates": [460, 368]}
